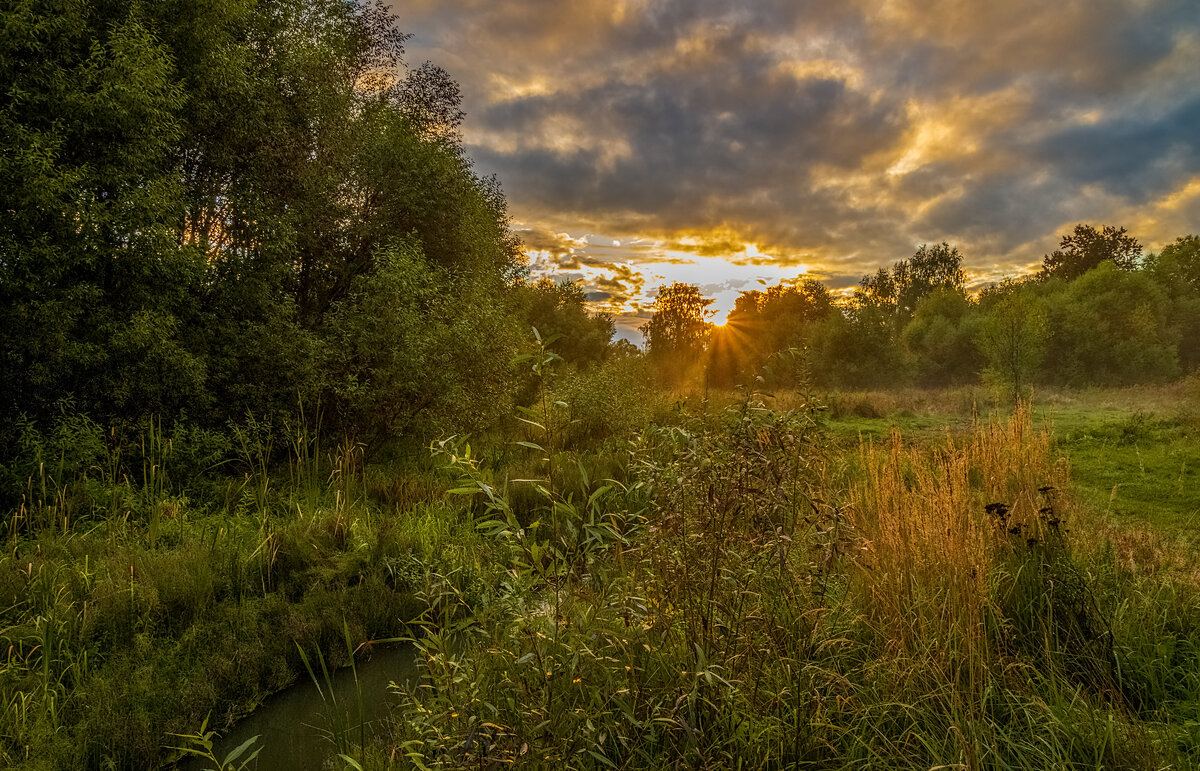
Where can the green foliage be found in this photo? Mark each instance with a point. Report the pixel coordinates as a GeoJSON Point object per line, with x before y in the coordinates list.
{"type": "Point", "coordinates": [677, 333]}
{"type": "Point", "coordinates": [558, 311]}
{"type": "Point", "coordinates": [941, 339]}
{"type": "Point", "coordinates": [1086, 247]}
{"type": "Point", "coordinates": [649, 651]}
{"type": "Point", "coordinates": [1110, 327]}
{"type": "Point", "coordinates": [608, 402]}
{"type": "Point", "coordinates": [766, 324]}
{"type": "Point", "coordinates": [858, 348]}
{"type": "Point", "coordinates": [94, 293]}
{"type": "Point", "coordinates": [118, 641]}
{"type": "Point", "coordinates": [899, 290]}
{"type": "Point", "coordinates": [1176, 269]}
{"type": "Point", "coordinates": [192, 192]}
{"type": "Point", "coordinates": [1013, 338]}
{"type": "Point", "coordinates": [1178, 264]}
{"type": "Point", "coordinates": [200, 745]}
{"type": "Point", "coordinates": [411, 343]}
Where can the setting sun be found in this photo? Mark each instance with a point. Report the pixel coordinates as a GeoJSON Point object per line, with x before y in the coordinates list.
{"type": "Point", "coordinates": [723, 148]}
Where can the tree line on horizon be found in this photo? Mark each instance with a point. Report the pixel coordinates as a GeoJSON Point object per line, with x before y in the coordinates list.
{"type": "Point", "coordinates": [1099, 312]}
{"type": "Point", "coordinates": [238, 208]}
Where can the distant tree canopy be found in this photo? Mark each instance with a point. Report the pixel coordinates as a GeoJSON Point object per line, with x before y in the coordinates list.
{"type": "Point", "coordinates": [1086, 247]}
{"type": "Point", "coordinates": [1176, 269]}
{"type": "Point", "coordinates": [765, 324]}
{"type": "Point", "coordinates": [678, 330]}
{"type": "Point", "coordinates": [898, 291]}
{"type": "Point", "coordinates": [1109, 327]}
{"type": "Point", "coordinates": [1012, 337]}
{"type": "Point", "coordinates": [226, 207]}
{"type": "Point", "coordinates": [1097, 315]}
{"type": "Point", "coordinates": [560, 311]}
{"type": "Point", "coordinates": [940, 339]}
{"type": "Point", "coordinates": [1178, 264]}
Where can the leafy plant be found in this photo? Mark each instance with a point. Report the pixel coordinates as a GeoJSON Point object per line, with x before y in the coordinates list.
{"type": "Point", "coordinates": [200, 745]}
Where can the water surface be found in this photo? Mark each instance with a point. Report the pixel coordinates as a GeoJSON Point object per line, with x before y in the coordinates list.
{"type": "Point", "coordinates": [293, 725]}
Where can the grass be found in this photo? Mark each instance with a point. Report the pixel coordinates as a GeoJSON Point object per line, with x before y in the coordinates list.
{"type": "Point", "coordinates": [798, 583]}
{"type": "Point", "coordinates": [790, 602]}
{"type": "Point", "coordinates": [164, 600]}
{"type": "Point", "coordinates": [1138, 465]}
{"type": "Point", "coordinates": [1134, 453]}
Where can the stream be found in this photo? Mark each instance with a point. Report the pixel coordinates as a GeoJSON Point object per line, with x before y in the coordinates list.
{"type": "Point", "coordinates": [292, 726]}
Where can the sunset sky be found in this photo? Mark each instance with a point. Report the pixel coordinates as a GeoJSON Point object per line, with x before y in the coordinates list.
{"type": "Point", "coordinates": [728, 144]}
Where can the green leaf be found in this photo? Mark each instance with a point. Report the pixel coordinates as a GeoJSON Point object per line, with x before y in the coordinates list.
{"type": "Point", "coordinates": [238, 751]}
{"type": "Point", "coordinates": [250, 758]}
{"type": "Point", "coordinates": [598, 494]}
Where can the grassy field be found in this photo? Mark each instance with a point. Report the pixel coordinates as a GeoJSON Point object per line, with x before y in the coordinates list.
{"type": "Point", "coordinates": [872, 580]}
{"type": "Point", "coordinates": [1133, 453]}
{"type": "Point", "coordinates": [918, 585]}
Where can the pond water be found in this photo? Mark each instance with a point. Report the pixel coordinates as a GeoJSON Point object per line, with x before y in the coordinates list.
{"type": "Point", "coordinates": [293, 725]}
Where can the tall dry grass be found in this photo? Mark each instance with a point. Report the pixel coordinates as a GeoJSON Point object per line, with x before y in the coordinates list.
{"type": "Point", "coordinates": [923, 577]}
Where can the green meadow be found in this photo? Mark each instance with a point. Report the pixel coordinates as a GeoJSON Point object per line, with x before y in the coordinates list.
{"type": "Point", "coordinates": [291, 430]}
{"type": "Point", "coordinates": [766, 580]}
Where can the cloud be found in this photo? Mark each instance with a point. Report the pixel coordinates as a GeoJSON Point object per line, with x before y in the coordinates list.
{"type": "Point", "coordinates": [667, 136]}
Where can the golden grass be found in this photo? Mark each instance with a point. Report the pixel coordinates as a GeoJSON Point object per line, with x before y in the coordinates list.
{"type": "Point", "coordinates": [927, 546]}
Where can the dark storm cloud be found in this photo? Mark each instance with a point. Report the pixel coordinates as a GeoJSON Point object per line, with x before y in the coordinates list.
{"type": "Point", "coordinates": [1135, 156]}
{"type": "Point", "coordinates": [997, 208]}
{"type": "Point", "coordinates": [733, 146]}
{"type": "Point", "coordinates": [838, 132]}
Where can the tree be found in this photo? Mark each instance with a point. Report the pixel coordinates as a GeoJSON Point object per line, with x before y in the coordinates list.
{"type": "Point", "coordinates": [678, 331]}
{"type": "Point", "coordinates": [1087, 247]}
{"type": "Point", "coordinates": [1178, 264]}
{"type": "Point", "coordinates": [194, 198]}
{"type": "Point", "coordinates": [1110, 327]}
{"type": "Point", "coordinates": [1176, 269]}
{"type": "Point", "coordinates": [899, 290]}
{"type": "Point", "coordinates": [857, 348]}
{"type": "Point", "coordinates": [767, 323]}
{"type": "Point", "coordinates": [1013, 339]}
{"type": "Point", "coordinates": [560, 311]}
{"type": "Point", "coordinates": [941, 338]}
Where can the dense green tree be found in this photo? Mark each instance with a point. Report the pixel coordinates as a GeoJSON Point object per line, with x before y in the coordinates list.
{"type": "Point", "coordinates": [195, 195]}
{"type": "Point", "coordinates": [96, 299]}
{"type": "Point", "coordinates": [401, 352]}
{"type": "Point", "coordinates": [560, 311]}
{"type": "Point", "coordinates": [898, 290]}
{"type": "Point", "coordinates": [941, 339]}
{"type": "Point", "coordinates": [1086, 247]}
{"type": "Point", "coordinates": [1176, 269]}
{"type": "Point", "coordinates": [1109, 327]}
{"type": "Point", "coordinates": [678, 330]}
{"type": "Point", "coordinates": [765, 324]}
{"type": "Point", "coordinates": [857, 348]}
{"type": "Point", "coordinates": [1178, 264]}
{"type": "Point", "coordinates": [1012, 337]}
